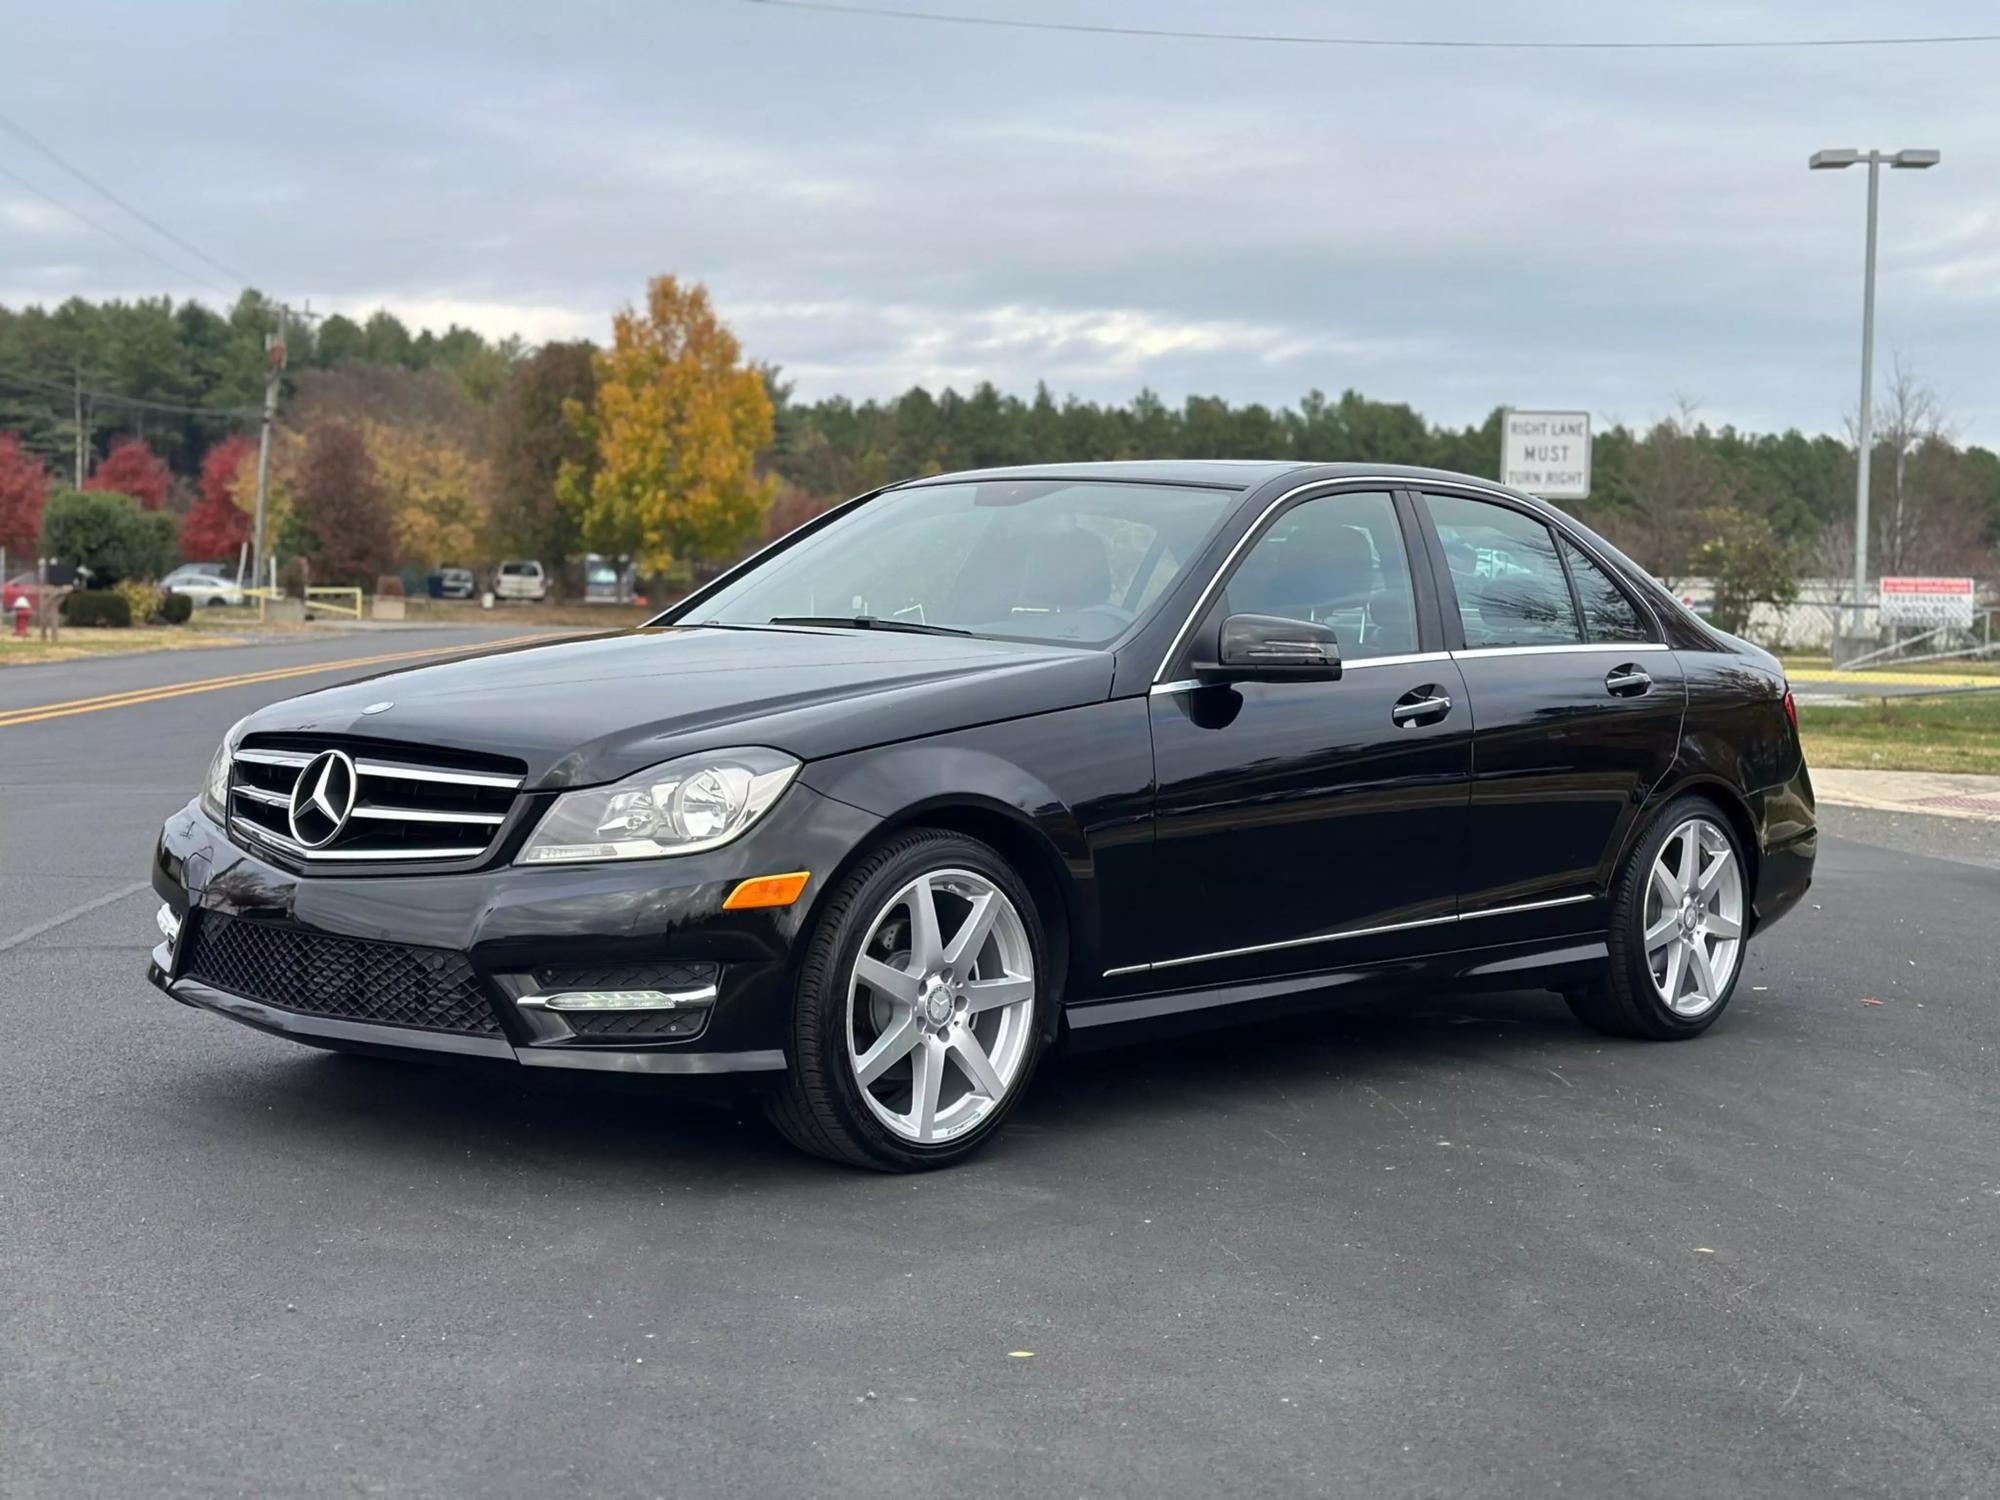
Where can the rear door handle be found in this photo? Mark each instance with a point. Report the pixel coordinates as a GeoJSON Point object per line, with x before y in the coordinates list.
{"type": "Point", "coordinates": [1423, 705]}
{"type": "Point", "coordinates": [1627, 681]}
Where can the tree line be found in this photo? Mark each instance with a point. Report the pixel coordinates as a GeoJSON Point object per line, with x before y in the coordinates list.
{"type": "Point", "coordinates": [400, 451]}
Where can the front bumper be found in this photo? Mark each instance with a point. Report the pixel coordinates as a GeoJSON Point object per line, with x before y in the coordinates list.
{"type": "Point", "coordinates": [515, 927]}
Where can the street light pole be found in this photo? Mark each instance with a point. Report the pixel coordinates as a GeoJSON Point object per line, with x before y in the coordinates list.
{"type": "Point", "coordinates": [1830, 160]}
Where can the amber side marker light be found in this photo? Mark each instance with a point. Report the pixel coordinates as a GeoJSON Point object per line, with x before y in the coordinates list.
{"type": "Point", "coordinates": [767, 890]}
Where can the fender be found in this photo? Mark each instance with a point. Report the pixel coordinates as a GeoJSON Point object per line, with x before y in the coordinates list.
{"type": "Point", "coordinates": [1067, 795]}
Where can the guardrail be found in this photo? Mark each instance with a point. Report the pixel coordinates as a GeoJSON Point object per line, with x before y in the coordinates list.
{"type": "Point", "coordinates": [329, 600]}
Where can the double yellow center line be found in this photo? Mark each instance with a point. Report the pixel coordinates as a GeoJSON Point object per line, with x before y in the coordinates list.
{"type": "Point", "coordinates": [11, 717]}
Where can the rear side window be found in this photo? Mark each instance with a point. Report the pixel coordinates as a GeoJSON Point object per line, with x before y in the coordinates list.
{"type": "Point", "coordinates": [1608, 614]}
{"type": "Point", "coordinates": [1507, 575]}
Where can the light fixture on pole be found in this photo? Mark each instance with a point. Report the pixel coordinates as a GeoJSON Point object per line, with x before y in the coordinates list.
{"type": "Point", "coordinates": [1832, 160]}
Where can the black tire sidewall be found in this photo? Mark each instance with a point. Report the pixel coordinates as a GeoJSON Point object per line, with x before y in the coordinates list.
{"type": "Point", "coordinates": [822, 1001]}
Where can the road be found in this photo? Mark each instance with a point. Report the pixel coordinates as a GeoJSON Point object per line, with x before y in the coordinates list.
{"type": "Point", "coordinates": [1443, 1248]}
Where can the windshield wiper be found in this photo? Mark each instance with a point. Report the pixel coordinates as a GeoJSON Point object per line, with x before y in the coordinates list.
{"type": "Point", "coordinates": [866, 622]}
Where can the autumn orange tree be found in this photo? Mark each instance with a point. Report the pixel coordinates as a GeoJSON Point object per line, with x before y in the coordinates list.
{"type": "Point", "coordinates": [677, 423]}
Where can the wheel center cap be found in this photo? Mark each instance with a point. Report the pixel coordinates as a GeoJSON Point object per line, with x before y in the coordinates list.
{"type": "Point", "coordinates": [937, 1003]}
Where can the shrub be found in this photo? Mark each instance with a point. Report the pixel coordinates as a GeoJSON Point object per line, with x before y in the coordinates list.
{"type": "Point", "coordinates": [176, 609]}
{"type": "Point", "coordinates": [108, 534]}
{"type": "Point", "coordinates": [100, 607]}
{"type": "Point", "coordinates": [389, 586]}
{"type": "Point", "coordinates": [142, 600]}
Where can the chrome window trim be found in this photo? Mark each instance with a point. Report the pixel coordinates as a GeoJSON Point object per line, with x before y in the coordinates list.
{"type": "Point", "coordinates": [1405, 659]}
{"type": "Point", "coordinates": [1615, 648]}
{"type": "Point", "coordinates": [1355, 932]}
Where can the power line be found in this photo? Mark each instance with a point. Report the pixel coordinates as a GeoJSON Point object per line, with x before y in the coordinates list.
{"type": "Point", "coordinates": [133, 245]}
{"type": "Point", "coordinates": [20, 132]}
{"type": "Point", "coordinates": [1012, 23]}
{"type": "Point", "coordinates": [21, 379]}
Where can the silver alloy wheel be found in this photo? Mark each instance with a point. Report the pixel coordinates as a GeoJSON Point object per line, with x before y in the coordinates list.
{"type": "Point", "coordinates": [1694, 918]}
{"type": "Point", "coordinates": [940, 1006]}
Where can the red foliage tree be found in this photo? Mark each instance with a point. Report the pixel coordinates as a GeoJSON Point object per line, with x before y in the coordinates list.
{"type": "Point", "coordinates": [24, 485]}
{"type": "Point", "coordinates": [217, 526]}
{"type": "Point", "coordinates": [131, 468]}
{"type": "Point", "coordinates": [343, 520]}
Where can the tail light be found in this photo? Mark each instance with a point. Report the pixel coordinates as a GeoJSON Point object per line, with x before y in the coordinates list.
{"type": "Point", "coordinates": [1791, 709]}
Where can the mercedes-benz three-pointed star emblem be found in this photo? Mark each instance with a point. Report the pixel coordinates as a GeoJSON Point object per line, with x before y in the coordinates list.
{"type": "Point", "coordinates": [323, 799]}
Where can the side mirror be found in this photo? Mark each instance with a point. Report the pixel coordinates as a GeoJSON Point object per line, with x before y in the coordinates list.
{"type": "Point", "coordinates": [1269, 648]}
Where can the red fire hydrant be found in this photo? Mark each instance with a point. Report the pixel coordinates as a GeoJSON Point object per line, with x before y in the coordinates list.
{"type": "Point", "coordinates": [22, 609]}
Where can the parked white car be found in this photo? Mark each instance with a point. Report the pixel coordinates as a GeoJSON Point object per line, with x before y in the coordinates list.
{"type": "Point", "coordinates": [521, 580]}
{"type": "Point", "coordinates": [204, 583]}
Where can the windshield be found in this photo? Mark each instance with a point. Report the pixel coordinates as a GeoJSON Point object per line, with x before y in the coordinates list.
{"type": "Point", "coordinates": [1019, 559]}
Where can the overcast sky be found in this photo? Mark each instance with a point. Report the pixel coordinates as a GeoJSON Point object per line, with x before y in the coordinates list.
{"type": "Point", "coordinates": [876, 203]}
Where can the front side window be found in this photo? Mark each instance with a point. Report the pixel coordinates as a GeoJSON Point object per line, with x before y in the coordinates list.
{"type": "Point", "coordinates": [1337, 560]}
{"type": "Point", "coordinates": [1608, 613]}
{"type": "Point", "coordinates": [1510, 583]}
{"type": "Point", "coordinates": [1062, 560]}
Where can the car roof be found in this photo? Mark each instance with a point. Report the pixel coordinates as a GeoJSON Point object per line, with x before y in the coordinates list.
{"type": "Point", "coordinates": [1226, 473]}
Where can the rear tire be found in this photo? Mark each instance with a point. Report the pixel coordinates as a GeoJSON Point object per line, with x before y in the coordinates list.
{"type": "Point", "coordinates": [922, 1007]}
{"type": "Point", "coordinates": [1680, 918]}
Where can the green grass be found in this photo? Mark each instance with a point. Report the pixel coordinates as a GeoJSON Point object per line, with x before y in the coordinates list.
{"type": "Point", "coordinates": [79, 642]}
{"type": "Point", "coordinates": [1959, 732]}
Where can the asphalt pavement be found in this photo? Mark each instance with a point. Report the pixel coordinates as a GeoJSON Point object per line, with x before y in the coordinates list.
{"type": "Point", "coordinates": [1436, 1248]}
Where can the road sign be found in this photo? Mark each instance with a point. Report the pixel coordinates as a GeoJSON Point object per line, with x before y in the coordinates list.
{"type": "Point", "coordinates": [1546, 453]}
{"type": "Point", "coordinates": [1927, 601]}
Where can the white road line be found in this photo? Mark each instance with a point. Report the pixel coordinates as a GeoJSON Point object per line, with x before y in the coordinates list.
{"type": "Point", "coordinates": [28, 933]}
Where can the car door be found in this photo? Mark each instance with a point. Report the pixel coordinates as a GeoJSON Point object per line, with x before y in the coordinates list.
{"type": "Point", "coordinates": [1305, 825]}
{"type": "Point", "coordinates": [1577, 703]}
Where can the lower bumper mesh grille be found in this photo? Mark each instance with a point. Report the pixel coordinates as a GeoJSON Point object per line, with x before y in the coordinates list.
{"type": "Point", "coordinates": [348, 979]}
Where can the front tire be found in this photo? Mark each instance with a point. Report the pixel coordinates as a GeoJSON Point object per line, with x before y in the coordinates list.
{"type": "Point", "coordinates": [922, 1006]}
{"type": "Point", "coordinates": [1680, 916]}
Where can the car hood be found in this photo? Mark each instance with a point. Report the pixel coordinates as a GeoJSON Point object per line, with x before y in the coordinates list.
{"type": "Point", "coordinates": [588, 710]}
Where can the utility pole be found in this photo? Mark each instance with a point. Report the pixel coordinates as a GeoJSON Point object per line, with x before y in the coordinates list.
{"type": "Point", "coordinates": [1834, 160]}
{"type": "Point", "coordinates": [274, 374]}
{"type": "Point", "coordinates": [77, 412]}
{"type": "Point", "coordinates": [274, 371]}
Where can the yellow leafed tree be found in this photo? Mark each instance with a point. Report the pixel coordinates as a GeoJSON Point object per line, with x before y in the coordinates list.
{"type": "Point", "coordinates": [439, 496]}
{"type": "Point", "coordinates": [677, 424]}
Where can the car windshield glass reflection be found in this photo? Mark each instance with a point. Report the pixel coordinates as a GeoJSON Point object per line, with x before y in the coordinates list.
{"type": "Point", "coordinates": [1024, 560]}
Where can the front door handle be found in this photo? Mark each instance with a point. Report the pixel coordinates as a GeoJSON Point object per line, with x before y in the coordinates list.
{"type": "Point", "coordinates": [1423, 705]}
{"type": "Point", "coordinates": [1627, 681]}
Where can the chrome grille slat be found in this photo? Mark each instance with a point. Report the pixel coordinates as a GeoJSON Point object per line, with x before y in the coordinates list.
{"type": "Point", "coordinates": [428, 815]}
{"type": "Point", "coordinates": [424, 773]}
{"type": "Point", "coordinates": [447, 812]}
{"type": "Point", "coordinates": [273, 758]}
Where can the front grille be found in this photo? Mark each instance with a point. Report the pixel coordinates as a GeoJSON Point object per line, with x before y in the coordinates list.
{"type": "Point", "coordinates": [348, 979]}
{"type": "Point", "coordinates": [399, 802]}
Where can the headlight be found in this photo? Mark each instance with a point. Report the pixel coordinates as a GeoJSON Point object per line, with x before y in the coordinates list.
{"type": "Point", "coordinates": [215, 785]}
{"type": "Point", "coordinates": [694, 803]}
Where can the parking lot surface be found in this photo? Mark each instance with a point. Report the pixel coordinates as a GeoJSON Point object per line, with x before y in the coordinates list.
{"type": "Point", "coordinates": [1434, 1248]}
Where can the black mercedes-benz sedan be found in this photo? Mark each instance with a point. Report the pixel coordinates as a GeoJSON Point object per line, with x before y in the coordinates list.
{"type": "Point", "coordinates": [981, 763]}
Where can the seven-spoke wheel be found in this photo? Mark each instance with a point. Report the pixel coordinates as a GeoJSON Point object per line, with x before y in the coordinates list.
{"type": "Point", "coordinates": [1694, 917]}
{"type": "Point", "coordinates": [922, 1006]}
{"type": "Point", "coordinates": [1680, 913]}
{"type": "Point", "coordinates": [940, 1004]}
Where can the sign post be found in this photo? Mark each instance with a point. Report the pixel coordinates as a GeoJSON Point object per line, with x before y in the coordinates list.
{"type": "Point", "coordinates": [1546, 453]}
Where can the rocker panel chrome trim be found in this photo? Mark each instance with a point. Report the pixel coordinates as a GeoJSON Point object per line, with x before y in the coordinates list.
{"type": "Point", "coordinates": [1354, 932]}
